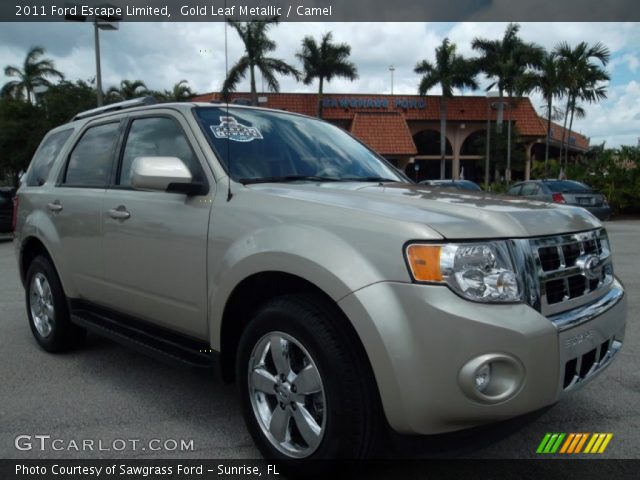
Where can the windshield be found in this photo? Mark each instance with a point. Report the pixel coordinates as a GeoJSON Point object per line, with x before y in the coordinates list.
{"type": "Point", "coordinates": [265, 146]}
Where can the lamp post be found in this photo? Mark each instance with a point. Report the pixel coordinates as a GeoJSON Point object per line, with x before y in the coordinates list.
{"type": "Point", "coordinates": [99, 23]}
{"type": "Point", "coordinates": [392, 69]}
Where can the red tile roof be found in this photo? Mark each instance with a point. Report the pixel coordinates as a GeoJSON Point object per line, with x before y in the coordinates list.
{"type": "Point", "coordinates": [461, 108]}
{"type": "Point", "coordinates": [575, 139]}
{"type": "Point", "coordinates": [386, 133]}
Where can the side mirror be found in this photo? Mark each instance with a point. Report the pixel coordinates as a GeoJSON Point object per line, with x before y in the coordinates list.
{"type": "Point", "coordinates": [165, 174]}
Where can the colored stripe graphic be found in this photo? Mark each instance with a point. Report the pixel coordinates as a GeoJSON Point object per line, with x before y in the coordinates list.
{"type": "Point", "coordinates": [573, 443]}
{"type": "Point", "coordinates": [598, 443]}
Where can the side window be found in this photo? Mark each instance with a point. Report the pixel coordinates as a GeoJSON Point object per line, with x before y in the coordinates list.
{"type": "Point", "coordinates": [45, 156]}
{"type": "Point", "coordinates": [91, 160]}
{"type": "Point", "coordinates": [515, 190]}
{"type": "Point", "coordinates": [162, 137]}
{"type": "Point", "coordinates": [529, 189]}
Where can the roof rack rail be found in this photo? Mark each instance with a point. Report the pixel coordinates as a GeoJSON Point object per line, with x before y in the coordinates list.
{"type": "Point", "coordinates": [136, 102]}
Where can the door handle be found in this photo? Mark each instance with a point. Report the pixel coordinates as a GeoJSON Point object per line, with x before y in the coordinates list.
{"type": "Point", "coordinates": [55, 206]}
{"type": "Point", "coordinates": [119, 213]}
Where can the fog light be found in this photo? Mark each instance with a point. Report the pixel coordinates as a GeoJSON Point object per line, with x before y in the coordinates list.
{"type": "Point", "coordinates": [491, 378]}
{"type": "Point", "coordinates": [483, 377]}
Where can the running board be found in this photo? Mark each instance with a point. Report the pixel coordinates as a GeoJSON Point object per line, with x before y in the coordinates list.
{"type": "Point", "coordinates": [159, 343]}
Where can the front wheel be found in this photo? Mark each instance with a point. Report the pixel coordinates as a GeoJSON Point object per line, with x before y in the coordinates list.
{"type": "Point", "coordinates": [307, 391]}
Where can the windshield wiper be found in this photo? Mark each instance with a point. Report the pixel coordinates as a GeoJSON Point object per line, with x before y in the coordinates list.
{"type": "Point", "coordinates": [368, 179]}
{"type": "Point", "coordinates": [288, 178]}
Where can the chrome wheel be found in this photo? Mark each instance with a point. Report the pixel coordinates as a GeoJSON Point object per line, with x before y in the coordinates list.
{"type": "Point", "coordinates": [287, 394]}
{"type": "Point", "coordinates": [41, 304]}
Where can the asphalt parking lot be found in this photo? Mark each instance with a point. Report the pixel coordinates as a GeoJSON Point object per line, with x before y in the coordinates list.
{"type": "Point", "coordinates": [105, 392]}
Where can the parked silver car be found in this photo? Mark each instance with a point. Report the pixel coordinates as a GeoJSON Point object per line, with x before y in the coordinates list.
{"type": "Point", "coordinates": [285, 255]}
{"type": "Point", "coordinates": [569, 192]}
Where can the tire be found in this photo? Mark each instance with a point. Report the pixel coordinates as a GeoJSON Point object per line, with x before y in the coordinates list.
{"type": "Point", "coordinates": [326, 406]}
{"type": "Point", "coordinates": [47, 309]}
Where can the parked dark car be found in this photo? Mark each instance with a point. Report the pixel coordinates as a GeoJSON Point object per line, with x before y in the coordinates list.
{"type": "Point", "coordinates": [459, 184]}
{"type": "Point", "coordinates": [569, 192]}
{"type": "Point", "coordinates": [6, 208]}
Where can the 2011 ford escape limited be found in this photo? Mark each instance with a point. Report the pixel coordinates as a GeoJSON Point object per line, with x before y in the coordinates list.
{"type": "Point", "coordinates": [295, 261]}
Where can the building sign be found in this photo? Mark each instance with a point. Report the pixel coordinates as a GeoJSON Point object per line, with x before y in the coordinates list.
{"type": "Point", "coordinates": [372, 102]}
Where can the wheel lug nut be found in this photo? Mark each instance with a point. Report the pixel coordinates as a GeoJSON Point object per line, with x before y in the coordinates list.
{"type": "Point", "coordinates": [282, 405]}
{"type": "Point", "coordinates": [282, 377]}
{"type": "Point", "coordinates": [294, 389]}
{"type": "Point", "coordinates": [293, 405]}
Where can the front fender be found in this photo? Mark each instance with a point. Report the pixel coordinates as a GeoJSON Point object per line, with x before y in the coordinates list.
{"type": "Point", "coordinates": [320, 257]}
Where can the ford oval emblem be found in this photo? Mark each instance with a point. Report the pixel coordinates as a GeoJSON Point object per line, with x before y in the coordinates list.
{"type": "Point", "coordinates": [592, 267]}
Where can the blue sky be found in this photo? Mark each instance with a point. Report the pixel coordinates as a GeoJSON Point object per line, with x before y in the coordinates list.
{"type": "Point", "coordinates": [163, 54]}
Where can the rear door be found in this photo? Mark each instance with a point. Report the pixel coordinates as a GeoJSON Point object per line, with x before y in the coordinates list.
{"type": "Point", "coordinates": [75, 207]}
{"type": "Point", "coordinates": [155, 243]}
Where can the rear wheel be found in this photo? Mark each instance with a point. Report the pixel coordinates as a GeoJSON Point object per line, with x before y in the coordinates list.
{"type": "Point", "coordinates": [307, 391]}
{"type": "Point", "coordinates": [47, 308]}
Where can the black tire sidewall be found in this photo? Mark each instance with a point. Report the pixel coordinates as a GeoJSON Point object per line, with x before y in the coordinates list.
{"type": "Point", "coordinates": [333, 357]}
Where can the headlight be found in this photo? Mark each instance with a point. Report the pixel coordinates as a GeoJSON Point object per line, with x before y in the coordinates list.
{"type": "Point", "coordinates": [482, 272]}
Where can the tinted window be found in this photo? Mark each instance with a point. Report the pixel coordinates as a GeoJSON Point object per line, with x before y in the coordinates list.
{"type": "Point", "coordinates": [529, 189]}
{"type": "Point", "coordinates": [256, 144]}
{"type": "Point", "coordinates": [157, 137]}
{"type": "Point", "coordinates": [44, 157]}
{"type": "Point", "coordinates": [92, 158]}
{"type": "Point", "coordinates": [567, 186]}
{"type": "Point", "coordinates": [514, 190]}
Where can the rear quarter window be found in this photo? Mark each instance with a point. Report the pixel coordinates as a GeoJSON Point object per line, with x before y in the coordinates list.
{"type": "Point", "coordinates": [45, 156]}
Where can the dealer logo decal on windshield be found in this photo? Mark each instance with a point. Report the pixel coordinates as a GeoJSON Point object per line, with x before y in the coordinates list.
{"type": "Point", "coordinates": [231, 129]}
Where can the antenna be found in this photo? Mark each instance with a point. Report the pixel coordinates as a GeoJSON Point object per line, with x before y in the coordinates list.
{"type": "Point", "coordinates": [226, 75]}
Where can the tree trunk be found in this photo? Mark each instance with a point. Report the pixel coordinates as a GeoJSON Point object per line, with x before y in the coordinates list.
{"type": "Point", "coordinates": [573, 109]}
{"type": "Point", "coordinates": [443, 136]}
{"type": "Point", "coordinates": [564, 128]}
{"type": "Point", "coordinates": [254, 92]}
{"type": "Point", "coordinates": [548, 138]}
{"type": "Point", "coordinates": [321, 83]}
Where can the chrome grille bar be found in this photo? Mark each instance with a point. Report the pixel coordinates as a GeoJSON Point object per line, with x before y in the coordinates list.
{"type": "Point", "coordinates": [572, 270]}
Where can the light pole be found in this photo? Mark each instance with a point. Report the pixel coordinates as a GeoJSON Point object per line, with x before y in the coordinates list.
{"type": "Point", "coordinates": [99, 23]}
{"type": "Point", "coordinates": [392, 69]}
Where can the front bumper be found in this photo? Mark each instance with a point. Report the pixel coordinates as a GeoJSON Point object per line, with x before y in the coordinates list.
{"type": "Point", "coordinates": [419, 337]}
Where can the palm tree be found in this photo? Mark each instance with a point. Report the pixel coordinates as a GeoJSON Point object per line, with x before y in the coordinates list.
{"type": "Point", "coordinates": [257, 45]}
{"type": "Point", "coordinates": [506, 61]}
{"type": "Point", "coordinates": [35, 73]}
{"type": "Point", "coordinates": [548, 81]}
{"type": "Point", "coordinates": [181, 92]}
{"type": "Point", "coordinates": [325, 61]}
{"type": "Point", "coordinates": [583, 78]}
{"type": "Point", "coordinates": [451, 71]}
{"type": "Point", "coordinates": [128, 89]}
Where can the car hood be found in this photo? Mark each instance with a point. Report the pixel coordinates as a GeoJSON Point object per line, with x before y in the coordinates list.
{"type": "Point", "coordinates": [454, 214]}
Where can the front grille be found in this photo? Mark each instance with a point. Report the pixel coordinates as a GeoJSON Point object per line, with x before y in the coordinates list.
{"type": "Point", "coordinates": [572, 269]}
{"type": "Point", "coordinates": [583, 367]}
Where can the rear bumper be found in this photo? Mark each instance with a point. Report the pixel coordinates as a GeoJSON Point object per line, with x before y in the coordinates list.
{"type": "Point", "coordinates": [421, 341]}
{"type": "Point", "coordinates": [602, 213]}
